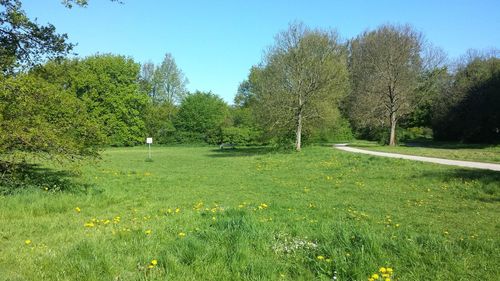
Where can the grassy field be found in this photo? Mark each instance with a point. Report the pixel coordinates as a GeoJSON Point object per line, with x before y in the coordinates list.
{"type": "Point", "coordinates": [480, 153]}
{"type": "Point", "coordinates": [255, 214]}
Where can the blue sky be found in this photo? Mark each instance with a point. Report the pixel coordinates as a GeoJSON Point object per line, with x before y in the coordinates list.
{"type": "Point", "coordinates": [216, 42]}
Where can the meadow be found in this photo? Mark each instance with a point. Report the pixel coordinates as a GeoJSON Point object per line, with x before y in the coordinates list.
{"type": "Point", "coordinates": [200, 213]}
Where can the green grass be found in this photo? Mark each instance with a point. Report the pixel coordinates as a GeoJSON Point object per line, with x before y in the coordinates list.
{"type": "Point", "coordinates": [472, 152]}
{"type": "Point", "coordinates": [254, 214]}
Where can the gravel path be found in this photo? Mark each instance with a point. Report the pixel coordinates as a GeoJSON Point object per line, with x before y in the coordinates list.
{"type": "Point", "coordinates": [467, 164]}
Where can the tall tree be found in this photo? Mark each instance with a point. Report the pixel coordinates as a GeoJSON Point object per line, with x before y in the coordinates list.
{"type": "Point", "coordinates": [167, 82]}
{"type": "Point", "coordinates": [385, 66]}
{"type": "Point", "coordinates": [300, 81]}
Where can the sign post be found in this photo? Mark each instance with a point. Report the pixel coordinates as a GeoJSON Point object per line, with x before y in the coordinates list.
{"type": "Point", "coordinates": [149, 141]}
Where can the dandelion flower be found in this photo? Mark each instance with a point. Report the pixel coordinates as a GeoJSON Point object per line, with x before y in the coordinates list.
{"type": "Point", "coordinates": [77, 209]}
{"type": "Point", "coordinates": [389, 270]}
{"type": "Point", "coordinates": [177, 210]}
{"type": "Point", "coordinates": [320, 257]}
{"type": "Point", "coordinates": [375, 276]}
{"type": "Point", "coordinates": [89, 224]}
{"type": "Point", "coordinates": [154, 262]}
{"type": "Point", "coordinates": [382, 270]}
{"type": "Point", "coordinates": [27, 242]}
{"type": "Point", "coordinates": [148, 231]}
{"type": "Point", "coordinates": [182, 234]}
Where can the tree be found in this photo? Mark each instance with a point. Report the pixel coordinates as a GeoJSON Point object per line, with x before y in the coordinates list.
{"type": "Point", "coordinates": [23, 42]}
{"type": "Point", "coordinates": [166, 81]}
{"type": "Point", "coordinates": [108, 84]}
{"type": "Point", "coordinates": [300, 82]}
{"type": "Point", "coordinates": [201, 115]}
{"type": "Point", "coordinates": [469, 109]}
{"type": "Point", "coordinates": [39, 118]}
{"type": "Point", "coordinates": [384, 66]}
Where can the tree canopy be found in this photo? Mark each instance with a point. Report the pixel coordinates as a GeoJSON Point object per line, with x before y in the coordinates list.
{"type": "Point", "coordinates": [385, 65]}
{"type": "Point", "coordinates": [300, 82]}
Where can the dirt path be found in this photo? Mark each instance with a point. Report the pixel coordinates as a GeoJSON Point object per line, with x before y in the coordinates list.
{"type": "Point", "coordinates": [467, 164]}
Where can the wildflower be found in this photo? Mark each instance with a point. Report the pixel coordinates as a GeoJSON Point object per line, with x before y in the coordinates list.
{"type": "Point", "coordinates": [382, 270]}
{"type": "Point", "coordinates": [375, 276]}
{"type": "Point", "coordinates": [182, 234]}
{"type": "Point", "coordinates": [320, 257]}
{"type": "Point", "coordinates": [77, 209]}
{"type": "Point", "coordinates": [89, 224]}
{"type": "Point", "coordinates": [177, 210]}
{"type": "Point", "coordinates": [389, 270]}
{"type": "Point", "coordinates": [27, 242]}
{"type": "Point", "coordinates": [154, 262]}
{"type": "Point", "coordinates": [148, 231]}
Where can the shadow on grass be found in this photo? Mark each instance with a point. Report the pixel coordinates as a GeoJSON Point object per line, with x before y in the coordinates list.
{"type": "Point", "coordinates": [18, 177]}
{"type": "Point", "coordinates": [488, 189]}
{"type": "Point", "coordinates": [446, 145]}
{"type": "Point", "coordinates": [245, 151]}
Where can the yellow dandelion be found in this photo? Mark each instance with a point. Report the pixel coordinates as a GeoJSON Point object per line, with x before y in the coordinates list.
{"type": "Point", "coordinates": [154, 262]}
{"type": "Point", "coordinates": [77, 209]}
{"type": "Point", "coordinates": [177, 210]}
{"type": "Point", "coordinates": [27, 242]}
{"type": "Point", "coordinates": [150, 266]}
{"type": "Point", "coordinates": [375, 276]}
{"type": "Point", "coordinates": [89, 224]}
{"type": "Point", "coordinates": [148, 231]}
{"type": "Point", "coordinates": [387, 279]}
{"type": "Point", "coordinates": [389, 270]}
{"type": "Point", "coordinates": [320, 258]}
{"type": "Point", "coordinates": [382, 270]}
{"type": "Point", "coordinates": [182, 234]}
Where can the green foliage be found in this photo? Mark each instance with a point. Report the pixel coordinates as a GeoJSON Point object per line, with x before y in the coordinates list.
{"type": "Point", "coordinates": [202, 116]}
{"type": "Point", "coordinates": [470, 110]}
{"type": "Point", "coordinates": [241, 136]}
{"type": "Point", "coordinates": [40, 118]}
{"type": "Point", "coordinates": [108, 84]}
{"type": "Point", "coordinates": [24, 43]}
{"type": "Point", "coordinates": [157, 119]}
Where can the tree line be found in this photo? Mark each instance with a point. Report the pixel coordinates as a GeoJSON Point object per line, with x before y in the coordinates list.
{"type": "Point", "coordinates": [386, 84]}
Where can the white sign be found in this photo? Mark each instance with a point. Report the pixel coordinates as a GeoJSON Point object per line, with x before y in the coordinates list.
{"type": "Point", "coordinates": [149, 140]}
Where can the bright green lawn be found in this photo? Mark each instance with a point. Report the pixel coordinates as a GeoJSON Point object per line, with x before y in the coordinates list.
{"type": "Point", "coordinates": [251, 214]}
{"type": "Point", "coordinates": [480, 153]}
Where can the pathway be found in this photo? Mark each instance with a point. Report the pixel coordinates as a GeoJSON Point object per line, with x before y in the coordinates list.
{"type": "Point", "coordinates": [467, 164]}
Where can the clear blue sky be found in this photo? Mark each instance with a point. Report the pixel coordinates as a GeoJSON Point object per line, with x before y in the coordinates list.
{"type": "Point", "coordinates": [216, 42]}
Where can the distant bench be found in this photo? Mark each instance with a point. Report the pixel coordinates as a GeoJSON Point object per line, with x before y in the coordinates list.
{"type": "Point", "coordinates": [230, 145]}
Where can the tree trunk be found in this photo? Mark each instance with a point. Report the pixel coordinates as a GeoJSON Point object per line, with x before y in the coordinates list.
{"type": "Point", "coordinates": [392, 138]}
{"type": "Point", "coordinates": [298, 133]}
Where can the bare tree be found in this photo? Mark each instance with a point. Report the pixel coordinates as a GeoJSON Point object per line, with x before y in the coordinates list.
{"type": "Point", "coordinates": [303, 75]}
{"type": "Point", "coordinates": [385, 66]}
